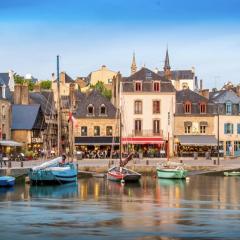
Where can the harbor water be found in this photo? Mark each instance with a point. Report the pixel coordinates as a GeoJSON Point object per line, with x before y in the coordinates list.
{"type": "Point", "coordinates": [201, 207]}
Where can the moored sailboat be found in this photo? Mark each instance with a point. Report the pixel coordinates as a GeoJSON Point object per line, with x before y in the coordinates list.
{"type": "Point", "coordinates": [171, 170]}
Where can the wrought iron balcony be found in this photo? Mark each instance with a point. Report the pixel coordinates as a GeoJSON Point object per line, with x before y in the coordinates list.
{"type": "Point", "coordinates": [147, 133]}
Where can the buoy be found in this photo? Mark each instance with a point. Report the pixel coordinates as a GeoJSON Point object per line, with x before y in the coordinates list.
{"type": "Point", "coordinates": [122, 181]}
{"type": "Point", "coordinates": [187, 179]}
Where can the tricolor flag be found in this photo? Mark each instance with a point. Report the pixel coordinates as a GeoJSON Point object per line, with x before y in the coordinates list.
{"type": "Point", "coordinates": [72, 119]}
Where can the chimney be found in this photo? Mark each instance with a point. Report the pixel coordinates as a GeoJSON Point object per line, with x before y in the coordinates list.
{"type": "Point", "coordinates": [53, 77]}
{"type": "Point", "coordinates": [24, 94]}
{"type": "Point", "coordinates": [17, 94]}
{"type": "Point", "coordinates": [116, 89]}
{"type": "Point", "coordinates": [37, 88]}
{"type": "Point", "coordinates": [11, 82]}
{"type": "Point", "coordinates": [72, 95]}
{"type": "Point", "coordinates": [196, 83]}
{"type": "Point", "coordinates": [238, 90]}
{"type": "Point", "coordinates": [62, 77]}
{"type": "Point", "coordinates": [201, 84]}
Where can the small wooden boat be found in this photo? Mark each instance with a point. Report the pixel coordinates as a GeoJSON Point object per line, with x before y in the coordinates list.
{"type": "Point", "coordinates": [119, 174]}
{"type": "Point", "coordinates": [231, 173]}
{"type": "Point", "coordinates": [171, 171]}
{"type": "Point", "coordinates": [7, 181]}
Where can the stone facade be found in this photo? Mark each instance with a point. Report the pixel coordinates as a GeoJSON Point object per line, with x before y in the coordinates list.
{"type": "Point", "coordinates": [5, 119]}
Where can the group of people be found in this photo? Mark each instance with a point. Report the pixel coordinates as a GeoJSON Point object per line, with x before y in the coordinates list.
{"type": "Point", "coordinates": [100, 154]}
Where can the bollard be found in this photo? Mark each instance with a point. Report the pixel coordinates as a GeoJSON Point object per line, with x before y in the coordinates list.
{"type": "Point", "coordinates": [21, 163]}
{"type": "Point", "coordinates": [147, 162]}
{"type": "Point", "coordinates": [214, 162]}
{"type": "Point", "coordinates": [181, 161]}
{"type": "Point", "coordinates": [112, 162]}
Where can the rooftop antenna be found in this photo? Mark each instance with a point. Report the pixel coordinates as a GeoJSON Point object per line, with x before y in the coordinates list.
{"type": "Point", "coordinates": [59, 110]}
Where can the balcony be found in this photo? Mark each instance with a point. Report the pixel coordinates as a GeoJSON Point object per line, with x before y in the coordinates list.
{"type": "Point", "coordinates": [147, 133]}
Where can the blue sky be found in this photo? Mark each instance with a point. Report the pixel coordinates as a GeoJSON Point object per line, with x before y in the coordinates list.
{"type": "Point", "coordinates": [87, 34]}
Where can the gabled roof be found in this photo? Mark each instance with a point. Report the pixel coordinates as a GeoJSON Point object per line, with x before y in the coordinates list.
{"type": "Point", "coordinates": [4, 78]}
{"type": "Point", "coordinates": [96, 99]}
{"type": "Point", "coordinates": [224, 96]}
{"type": "Point", "coordinates": [179, 74]}
{"type": "Point", "coordinates": [24, 117]}
{"type": "Point", "coordinates": [189, 95]}
{"type": "Point", "coordinates": [144, 74]}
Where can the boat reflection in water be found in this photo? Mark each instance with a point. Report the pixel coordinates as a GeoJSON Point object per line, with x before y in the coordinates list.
{"type": "Point", "coordinates": [171, 182]}
{"type": "Point", "coordinates": [56, 191]}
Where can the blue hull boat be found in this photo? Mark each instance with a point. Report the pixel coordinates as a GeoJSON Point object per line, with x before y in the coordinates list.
{"type": "Point", "coordinates": [7, 181]}
{"type": "Point", "coordinates": [53, 172]}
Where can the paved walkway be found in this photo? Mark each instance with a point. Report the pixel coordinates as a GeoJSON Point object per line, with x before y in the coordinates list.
{"type": "Point", "coordinates": [201, 162]}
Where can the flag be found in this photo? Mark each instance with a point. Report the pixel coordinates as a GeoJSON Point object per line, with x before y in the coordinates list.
{"type": "Point", "coordinates": [72, 119]}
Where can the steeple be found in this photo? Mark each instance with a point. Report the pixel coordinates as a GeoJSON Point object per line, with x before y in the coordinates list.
{"type": "Point", "coordinates": [134, 65]}
{"type": "Point", "coordinates": [167, 68]}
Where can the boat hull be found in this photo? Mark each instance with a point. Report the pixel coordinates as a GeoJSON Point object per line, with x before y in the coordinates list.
{"type": "Point", "coordinates": [127, 175]}
{"type": "Point", "coordinates": [7, 181]}
{"type": "Point", "coordinates": [171, 173]}
{"type": "Point", "coordinates": [52, 177]}
{"type": "Point", "coordinates": [231, 173]}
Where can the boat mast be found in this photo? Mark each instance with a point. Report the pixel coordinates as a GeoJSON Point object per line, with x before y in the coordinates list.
{"type": "Point", "coordinates": [59, 150]}
{"type": "Point", "coordinates": [120, 136]}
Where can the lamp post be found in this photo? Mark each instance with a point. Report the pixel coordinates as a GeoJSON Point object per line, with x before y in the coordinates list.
{"type": "Point", "coordinates": [218, 157]}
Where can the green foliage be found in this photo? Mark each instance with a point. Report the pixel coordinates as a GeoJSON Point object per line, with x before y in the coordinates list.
{"type": "Point", "coordinates": [18, 79]}
{"type": "Point", "coordinates": [46, 84]}
{"type": "Point", "coordinates": [102, 89]}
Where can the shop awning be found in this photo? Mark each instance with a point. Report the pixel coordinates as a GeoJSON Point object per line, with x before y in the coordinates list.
{"type": "Point", "coordinates": [96, 141]}
{"type": "Point", "coordinates": [142, 140]}
{"type": "Point", "coordinates": [10, 143]}
{"type": "Point", "coordinates": [197, 140]}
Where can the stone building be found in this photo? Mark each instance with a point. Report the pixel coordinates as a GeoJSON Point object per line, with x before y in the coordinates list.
{"type": "Point", "coordinates": [228, 108]}
{"type": "Point", "coordinates": [147, 103]}
{"type": "Point", "coordinates": [194, 128]}
{"type": "Point", "coordinates": [95, 124]}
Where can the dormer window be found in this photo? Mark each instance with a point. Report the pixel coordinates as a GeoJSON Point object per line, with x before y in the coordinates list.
{"type": "Point", "coordinates": [102, 110]}
{"type": "Point", "coordinates": [203, 108]}
{"type": "Point", "coordinates": [228, 108]}
{"type": "Point", "coordinates": [90, 109]}
{"type": "Point", "coordinates": [138, 86]}
{"type": "Point", "coordinates": [187, 107]}
{"type": "Point", "coordinates": [156, 86]}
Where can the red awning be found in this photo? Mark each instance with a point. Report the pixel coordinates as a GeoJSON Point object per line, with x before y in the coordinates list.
{"type": "Point", "coordinates": [142, 140]}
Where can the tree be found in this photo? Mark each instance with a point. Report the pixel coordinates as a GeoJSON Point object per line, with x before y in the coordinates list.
{"type": "Point", "coordinates": [46, 84]}
{"type": "Point", "coordinates": [18, 79]}
{"type": "Point", "coordinates": [102, 89]}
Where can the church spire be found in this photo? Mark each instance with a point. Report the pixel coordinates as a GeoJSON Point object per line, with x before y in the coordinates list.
{"type": "Point", "coordinates": [134, 65]}
{"type": "Point", "coordinates": [167, 68]}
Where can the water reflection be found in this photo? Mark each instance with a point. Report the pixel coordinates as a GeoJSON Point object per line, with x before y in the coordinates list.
{"type": "Point", "coordinates": [202, 207]}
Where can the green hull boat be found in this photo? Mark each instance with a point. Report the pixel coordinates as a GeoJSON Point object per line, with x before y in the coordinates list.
{"type": "Point", "coordinates": [173, 173]}
{"type": "Point", "coordinates": [231, 173]}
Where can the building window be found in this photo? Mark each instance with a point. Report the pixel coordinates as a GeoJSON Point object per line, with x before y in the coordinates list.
{"type": "Point", "coordinates": [96, 131]}
{"type": "Point", "coordinates": [203, 108]}
{"type": "Point", "coordinates": [202, 129]}
{"type": "Point", "coordinates": [187, 107]}
{"type": "Point", "coordinates": [138, 127]}
{"type": "Point", "coordinates": [103, 110]}
{"type": "Point", "coordinates": [84, 131]}
{"type": "Point", "coordinates": [187, 129]}
{"type": "Point", "coordinates": [228, 108]}
{"type": "Point", "coordinates": [90, 109]}
{"type": "Point", "coordinates": [228, 128]}
{"type": "Point", "coordinates": [138, 107]}
{"type": "Point", "coordinates": [185, 85]}
{"type": "Point", "coordinates": [156, 126]}
{"type": "Point", "coordinates": [156, 106]}
{"type": "Point", "coordinates": [238, 128]}
{"type": "Point", "coordinates": [138, 86]}
{"type": "Point", "coordinates": [109, 131]}
{"type": "Point", "coordinates": [156, 86]}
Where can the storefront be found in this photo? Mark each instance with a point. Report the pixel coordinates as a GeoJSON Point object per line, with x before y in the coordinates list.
{"type": "Point", "coordinates": [196, 146]}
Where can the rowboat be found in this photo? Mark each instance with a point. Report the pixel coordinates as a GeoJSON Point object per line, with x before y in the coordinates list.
{"type": "Point", "coordinates": [119, 174]}
{"type": "Point", "coordinates": [231, 173]}
{"type": "Point", "coordinates": [171, 171]}
{"type": "Point", "coordinates": [7, 181]}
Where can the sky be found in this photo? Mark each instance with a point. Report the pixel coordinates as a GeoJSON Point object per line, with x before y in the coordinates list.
{"type": "Point", "coordinates": [89, 33]}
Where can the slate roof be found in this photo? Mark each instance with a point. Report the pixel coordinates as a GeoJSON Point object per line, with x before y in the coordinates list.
{"type": "Point", "coordinates": [96, 99]}
{"type": "Point", "coordinates": [45, 99]}
{"type": "Point", "coordinates": [4, 78]}
{"type": "Point", "coordinates": [147, 77]}
{"type": "Point", "coordinates": [195, 99]}
{"type": "Point", "coordinates": [179, 74]}
{"type": "Point", "coordinates": [224, 96]}
{"type": "Point", "coordinates": [25, 117]}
